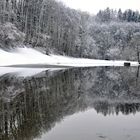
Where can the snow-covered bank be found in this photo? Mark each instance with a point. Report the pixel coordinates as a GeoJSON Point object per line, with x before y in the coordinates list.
{"type": "Point", "coordinates": [28, 56]}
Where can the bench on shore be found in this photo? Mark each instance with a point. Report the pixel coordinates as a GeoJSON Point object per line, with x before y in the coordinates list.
{"type": "Point", "coordinates": [127, 64]}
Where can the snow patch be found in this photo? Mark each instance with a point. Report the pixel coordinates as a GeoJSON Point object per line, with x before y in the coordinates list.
{"type": "Point", "coordinates": [29, 56]}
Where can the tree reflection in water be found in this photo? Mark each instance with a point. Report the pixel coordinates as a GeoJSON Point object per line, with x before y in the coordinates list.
{"type": "Point", "coordinates": [31, 106]}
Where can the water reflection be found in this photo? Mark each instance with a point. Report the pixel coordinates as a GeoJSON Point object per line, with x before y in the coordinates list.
{"type": "Point", "coordinates": [34, 105]}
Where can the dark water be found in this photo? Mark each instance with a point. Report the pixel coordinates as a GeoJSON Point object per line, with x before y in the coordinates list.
{"type": "Point", "coordinates": [75, 104]}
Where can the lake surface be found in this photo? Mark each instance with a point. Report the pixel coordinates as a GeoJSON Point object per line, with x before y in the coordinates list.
{"type": "Point", "coordinates": [100, 103]}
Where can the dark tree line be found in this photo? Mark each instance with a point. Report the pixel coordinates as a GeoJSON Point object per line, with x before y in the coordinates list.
{"type": "Point", "coordinates": [113, 15]}
{"type": "Point", "coordinates": [129, 15]}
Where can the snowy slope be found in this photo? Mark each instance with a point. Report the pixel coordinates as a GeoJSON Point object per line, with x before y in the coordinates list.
{"type": "Point", "coordinates": [28, 56]}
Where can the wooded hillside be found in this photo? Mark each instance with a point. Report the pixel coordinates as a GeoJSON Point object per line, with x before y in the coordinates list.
{"type": "Point", "coordinates": [54, 28]}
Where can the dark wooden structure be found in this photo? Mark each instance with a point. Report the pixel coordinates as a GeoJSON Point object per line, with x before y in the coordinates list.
{"type": "Point", "coordinates": [127, 64]}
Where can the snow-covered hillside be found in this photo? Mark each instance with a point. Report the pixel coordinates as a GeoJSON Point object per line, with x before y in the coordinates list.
{"type": "Point", "coordinates": [27, 56]}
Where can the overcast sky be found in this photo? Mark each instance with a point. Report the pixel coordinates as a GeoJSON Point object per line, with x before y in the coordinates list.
{"type": "Point", "coordinates": [93, 6]}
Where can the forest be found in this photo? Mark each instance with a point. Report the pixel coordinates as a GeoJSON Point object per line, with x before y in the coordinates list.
{"type": "Point", "coordinates": [51, 27]}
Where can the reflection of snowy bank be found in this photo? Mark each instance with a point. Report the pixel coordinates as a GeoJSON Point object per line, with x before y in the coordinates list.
{"type": "Point", "coordinates": [27, 56]}
{"type": "Point", "coordinates": [24, 72]}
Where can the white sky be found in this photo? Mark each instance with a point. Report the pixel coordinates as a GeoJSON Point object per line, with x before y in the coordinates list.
{"type": "Point", "coordinates": [93, 6]}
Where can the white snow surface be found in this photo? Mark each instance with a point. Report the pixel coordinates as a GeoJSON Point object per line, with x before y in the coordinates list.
{"type": "Point", "coordinates": [29, 56]}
